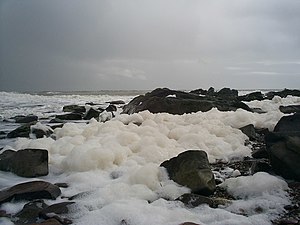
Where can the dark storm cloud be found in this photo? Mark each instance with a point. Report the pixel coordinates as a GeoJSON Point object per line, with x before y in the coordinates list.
{"type": "Point", "coordinates": [142, 44]}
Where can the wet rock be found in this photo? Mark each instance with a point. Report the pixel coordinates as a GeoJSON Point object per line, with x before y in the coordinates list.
{"type": "Point", "coordinates": [159, 100]}
{"type": "Point", "coordinates": [69, 116]}
{"type": "Point", "coordinates": [22, 131]}
{"type": "Point", "coordinates": [284, 152]}
{"type": "Point", "coordinates": [74, 108]}
{"type": "Point", "coordinates": [48, 222]}
{"type": "Point", "coordinates": [261, 166]}
{"type": "Point", "coordinates": [283, 94]}
{"type": "Point", "coordinates": [252, 96]}
{"type": "Point", "coordinates": [288, 124]}
{"type": "Point", "coordinates": [111, 108]}
{"type": "Point", "coordinates": [194, 200]}
{"type": "Point", "coordinates": [249, 130]}
{"type": "Point", "coordinates": [40, 130]}
{"type": "Point", "coordinates": [116, 102]}
{"type": "Point", "coordinates": [30, 212]}
{"type": "Point", "coordinates": [30, 191]}
{"type": "Point", "coordinates": [92, 113]}
{"type": "Point", "coordinates": [290, 109]}
{"type": "Point", "coordinates": [189, 223]}
{"type": "Point", "coordinates": [260, 153]}
{"type": "Point", "coordinates": [26, 162]}
{"type": "Point", "coordinates": [62, 185]}
{"type": "Point", "coordinates": [26, 119]}
{"type": "Point", "coordinates": [227, 93]}
{"type": "Point", "coordinates": [192, 169]}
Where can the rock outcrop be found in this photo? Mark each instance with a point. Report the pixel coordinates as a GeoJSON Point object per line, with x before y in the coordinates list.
{"type": "Point", "coordinates": [179, 102]}
{"type": "Point", "coordinates": [283, 146]}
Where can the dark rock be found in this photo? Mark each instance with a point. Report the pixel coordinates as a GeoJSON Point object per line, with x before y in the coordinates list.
{"type": "Point", "coordinates": [283, 94]}
{"type": "Point", "coordinates": [111, 108]}
{"type": "Point", "coordinates": [30, 191]}
{"type": "Point", "coordinates": [189, 223]}
{"type": "Point", "coordinates": [288, 124]}
{"type": "Point", "coordinates": [25, 163]}
{"type": "Point", "coordinates": [92, 113]}
{"type": "Point", "coordinates": [40, 133]}
{"type": "Point", "coordinates": [30, 212]}
{"type": "Point", "coordinates": [192, 169]}
{"type": "Point", "coordinates": [62, 185]}
{"type": "Point", "coordinates": [69, 116]}
{"type": "Point", "coordinates": [249, 130]}
{"type": "Point", "coordinates": [227, 93]}
{"type": "Point", "coordinates": [252, 97]}
{"type": "Point", "coordinates": [59, 208]}
{"type": "Point", "coordinates": [117, 102]}
{"type": "Point", "coordinates": [22, 131]}
{"type": "Point", "coordinates": [48, 222]}
{"type": "Point", "coordinates": [158, 101]}
{"type": "Point", "coordinates": [284, 152]}
{"type": "Point", "coordinates": [194, 200]}
{"type": "Point", "coordinates": [26, 119]}
{"type": "Point", "coordinates": [290, 109]}
{"type": "Point", "coordinates": [74, 109]}
{"type": "Point", "coordinates": [199, 92]}
{"type": "Point", "coordinates": [260, 154]}
{"type": "Point", "coordinates": [260, 166]}
{"type": "Point", "coordinates": [56, 120]}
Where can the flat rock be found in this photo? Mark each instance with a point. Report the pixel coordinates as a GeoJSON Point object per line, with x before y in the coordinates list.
{"type": "Point", "coordinates": [30, 191]}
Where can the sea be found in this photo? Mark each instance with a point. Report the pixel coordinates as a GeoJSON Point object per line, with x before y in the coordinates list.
{"type": "Point", "coordinates": [115, 164]}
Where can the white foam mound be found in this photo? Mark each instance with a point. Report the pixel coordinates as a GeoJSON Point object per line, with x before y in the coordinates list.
{"type": "Point", "coordinates": [117, 164]}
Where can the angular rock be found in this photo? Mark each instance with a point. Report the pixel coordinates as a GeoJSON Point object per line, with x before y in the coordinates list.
{"type": "Point", "coordinates": [159, 101]}
{"type": "Point", "coordinates": [30, 212]}
{"type": "Point", "coordinates": [69, 116]}
{"type": "Point", "coordinates": [30, 191]}
{"type": "Point", "coordinates": [40, 130]}
{"type": "Point", "coordinates": [92, 113]}
{"type": "Point", "coordinates": [111, 108]}
{"type": "Point", "coordinates": [59, 208]}
{"type": "Point", "coordinates": [284, 152]}
{"type": "Point", "coordinates": [26, 162]}
{"type": "Point", "coordinates": [22, 131]}
{"type": "Point", "coordinates": [227, 93]}
{"type": "Point", "coordinates": [249, 130]}
{"type": "Point", "coordinates": [74, 109]}
{"type": "Point", "coordinates": [192, 169]}
{"type": "Point", "coordinates": [288, 124]}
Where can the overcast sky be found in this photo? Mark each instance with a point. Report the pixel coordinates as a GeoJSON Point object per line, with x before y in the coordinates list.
{"type": "Point", "coordinates": [144, 44]}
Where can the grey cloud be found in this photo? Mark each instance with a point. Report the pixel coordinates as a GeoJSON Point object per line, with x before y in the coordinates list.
{"type": "Point", "coordinates": [141, 44]}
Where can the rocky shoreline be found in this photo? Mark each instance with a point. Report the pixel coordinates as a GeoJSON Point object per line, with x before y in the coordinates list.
{"type": "Point", "coordinates": [276, 152]}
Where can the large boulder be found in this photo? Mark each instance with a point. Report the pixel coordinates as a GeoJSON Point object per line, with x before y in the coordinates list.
{"type": "Point", "coordinates": [26, 162]}
{"type": "Point", "coordinates": [92, 113]}
{"type": "Point", "coordinates": [191, 169]}
{"type": "Point", "coordinates": [283, 146]}
{"type": "Point", "coordinates": [30, 191]}
{"type": "Point", "coordinates": [284, 153]}
{"type": "Point", "coordinates": [288, 124]}
{"type": "Point", "coordinates": [179, 102]}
